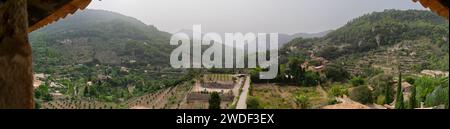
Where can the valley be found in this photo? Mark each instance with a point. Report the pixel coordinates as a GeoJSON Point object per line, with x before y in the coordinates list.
{"type": "Point", "coordinates": [104, 60]}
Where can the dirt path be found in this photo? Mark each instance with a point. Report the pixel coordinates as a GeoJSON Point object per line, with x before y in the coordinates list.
{"type": "Point", "coordinates": [242, 102]}
{"type": "Point", "coordinates": [322, 91]}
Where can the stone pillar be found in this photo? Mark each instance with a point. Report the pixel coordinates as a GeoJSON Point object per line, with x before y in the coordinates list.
{"type": "Point", "coordinates": [16, 76]}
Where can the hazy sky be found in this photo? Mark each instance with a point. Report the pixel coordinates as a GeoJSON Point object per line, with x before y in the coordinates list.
{"type": "Point", "coordinates": [282, 16]}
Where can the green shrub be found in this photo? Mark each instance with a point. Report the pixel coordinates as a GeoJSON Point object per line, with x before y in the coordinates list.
{"type": "Point", "coordinates": [214, 101]}
{"type": "Point", "coordinates": [337, 73]}
{"type": "Point", "coordinates": [332, 101]}
{"type": "Point", "coordinates": [361, 94]}
{"type": "Point", "coordinates": [302, 101]}
{"type": "Point", "coordinates": [253, 103]}
{"type": "Point", "coordinates": [425, 86]}
{"type": "Point", "coordinates": [357, 81]}
{"type": "Point", "coordinates": [311, 79]}
{"type": "Point", "coordinates": [438, 97]}
{"type": "Point", "coordinates": [381, 100]}
{"type": "Point", "coordinates": [338, 91]}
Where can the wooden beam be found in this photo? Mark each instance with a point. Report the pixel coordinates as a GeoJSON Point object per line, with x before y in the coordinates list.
{"type": "Point", "coordinates": [61, 10]}
{"type": "Point", "coordinates": [437, 6]}
{"type": "Point", "coordinates": [16, 76]}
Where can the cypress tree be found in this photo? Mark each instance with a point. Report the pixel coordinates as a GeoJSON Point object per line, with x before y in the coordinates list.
{"type": "Point", "coordinates": [388, 94]}
{"type": "Point", "coordinates": [399, 104]}
{"type": "Point", "coordinates": [214, 101]}
{"type": "Point", "coordinates": [412, 99]}
{"type": "Point", "coordinates": [86, 91]}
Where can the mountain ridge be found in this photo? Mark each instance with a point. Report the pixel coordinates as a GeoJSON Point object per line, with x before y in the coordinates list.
{"type": "Point", "coordinates": [99, 36]}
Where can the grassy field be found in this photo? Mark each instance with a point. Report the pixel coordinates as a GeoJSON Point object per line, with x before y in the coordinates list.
{"type": "Point", "coordinates": [218, 77]}
{"type": "Point", "coordinates": [273, 96]}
